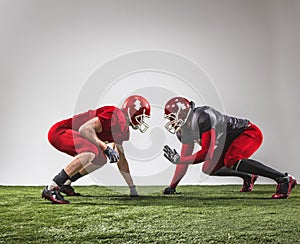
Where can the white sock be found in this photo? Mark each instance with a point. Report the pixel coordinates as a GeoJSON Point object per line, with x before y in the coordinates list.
{"type": "Point", "coordinates": [68, 182]}
{"type": "Point", "coordinates": [52, 186]}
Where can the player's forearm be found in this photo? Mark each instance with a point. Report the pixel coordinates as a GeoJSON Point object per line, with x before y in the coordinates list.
{"type": "Point", "coordinates": [195, 158]}
{"type": "Point", "coordinates": [187, 149]}
{"type": "Point", "coordinates": [123, 165]}
{"type": "Point", "coordinates": [206, 153]}
{"type": "Point", "coordinates": [127, 177]}
{"type": "Point", "coordinates": [125, 172]}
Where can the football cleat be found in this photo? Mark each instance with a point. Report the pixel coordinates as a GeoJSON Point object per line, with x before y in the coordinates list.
{"type": "Point", "coordinates": [248, 184]}
{"type": "Point", "coordinates": [169, 191]}
{"type": "Point", "coordinates": [284, 187]}
{"type": "Point", "coordinates": [133, 192]}
{"type": "Point", "coordinates": [54, 196]}
{"type": "Point", "coordinates": [69, 190]}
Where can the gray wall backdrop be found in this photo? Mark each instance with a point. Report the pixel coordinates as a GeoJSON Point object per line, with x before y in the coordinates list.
{"type": "Point", "coordinates": [48, 49]}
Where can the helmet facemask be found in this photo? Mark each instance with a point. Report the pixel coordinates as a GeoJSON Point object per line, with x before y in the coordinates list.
{"type": "Point", "coordinates": [140, 122]}
{"type": "Point", "coordinates": [175, 123]}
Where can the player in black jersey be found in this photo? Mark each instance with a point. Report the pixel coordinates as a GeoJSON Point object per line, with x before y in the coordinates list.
{"type": "Point", "coordinates": [226, 145]}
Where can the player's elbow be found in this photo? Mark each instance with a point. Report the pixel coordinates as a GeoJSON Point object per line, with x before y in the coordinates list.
{"type": "Point", "coordinates": [84, 130]}
{"type": "Point", "coordinates": [202, 156]}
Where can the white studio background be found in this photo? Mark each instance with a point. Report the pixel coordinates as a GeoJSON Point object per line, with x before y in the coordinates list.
{"type": "Point", "coordinates": [49, 49]}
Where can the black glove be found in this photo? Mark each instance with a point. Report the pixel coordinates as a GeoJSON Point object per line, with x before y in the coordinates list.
{"type": "Point", "coordinates": [169, 190]}
{"type": "Point", "coordinates": [171, 155]}
{"type": "Point", "coordinates": [112, 155]}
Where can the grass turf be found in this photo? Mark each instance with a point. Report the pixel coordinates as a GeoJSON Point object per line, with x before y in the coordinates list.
{"type": "Point", "coordinates": [200, 214]}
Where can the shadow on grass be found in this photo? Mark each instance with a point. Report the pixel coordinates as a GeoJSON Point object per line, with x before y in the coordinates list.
{"type": "Point", "coordinates": [190, 197]}
{"type": "Point", "coordinates": [175, 201]}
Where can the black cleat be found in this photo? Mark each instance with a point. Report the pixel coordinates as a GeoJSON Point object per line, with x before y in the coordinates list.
{"type": "Point", "coordinates": [69, 190]}
{"type": "Point", "coordinates": [284, 187]}
{"type": "Point", "coordinates": [54, 196]}
{"type": "Point", "coordinates": [169, 191]}
{"type": "Point", "coordinates": [248, 184]}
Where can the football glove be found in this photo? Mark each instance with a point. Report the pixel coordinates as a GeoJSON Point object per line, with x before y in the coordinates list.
{"type": "Point", "coordinates": [112, 155]}
{"type": "Point", "coordinates": [169, 190]}
{"type": "Point", "coordinates": [171, 155]}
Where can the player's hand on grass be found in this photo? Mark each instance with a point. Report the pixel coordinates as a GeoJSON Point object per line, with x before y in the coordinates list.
{"type": "Point", "coordinates": [112, 155]}
{"type": "Point", "coordinates": [171, 155]}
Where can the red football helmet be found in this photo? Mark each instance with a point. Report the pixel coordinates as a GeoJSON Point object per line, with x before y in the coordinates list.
{"type": "Point", "coordinates": [177, 111]}
{"type": "Point", "coordinates": [137, 108]}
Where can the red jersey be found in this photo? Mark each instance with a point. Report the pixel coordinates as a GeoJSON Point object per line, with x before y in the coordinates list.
{"type": "Point", "coordinates": [113, 122]}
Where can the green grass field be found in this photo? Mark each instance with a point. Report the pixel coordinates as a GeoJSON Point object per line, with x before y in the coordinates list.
{"type": "Point", "coordinates": [200, 214]}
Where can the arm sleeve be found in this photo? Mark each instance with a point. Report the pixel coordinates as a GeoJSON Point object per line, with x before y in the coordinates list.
{"type": "Point", "coordinates": [206, 152]}
{"type": "Point", "coordinates": [187, 149]}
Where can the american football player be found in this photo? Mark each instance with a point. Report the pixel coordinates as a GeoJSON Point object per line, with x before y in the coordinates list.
{"type": "Point", "coordinates": [86, 136]}
{"type": "Point", "coordinates": [226, 145]}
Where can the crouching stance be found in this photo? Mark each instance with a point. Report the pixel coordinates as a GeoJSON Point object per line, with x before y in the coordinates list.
{"type": "Point", "coordinates": [226, 145]}
{"type": "Point", "coordinates": [85, 137]}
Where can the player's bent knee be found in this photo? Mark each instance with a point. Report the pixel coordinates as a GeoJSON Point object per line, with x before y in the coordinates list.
{"type": "Point", "coordinates": [206, 171]}
{"type": "Point", "coordinates": [86, 157]}
{"type": "Point", "coordinates": [235, 165]}
{"type": "Point", "coordinates": [90, 156]}
{"type": "Point", "coordinates": [208, 167]}
{"type": "Point", "coordinates": [99, 163]}
{"type": "Point", "coordinates": [99, 160]}
{"type": "Point", "coordinates": [231, 161]}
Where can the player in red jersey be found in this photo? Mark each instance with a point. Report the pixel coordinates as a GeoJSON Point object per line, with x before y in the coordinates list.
{"type": "Point", "coordinates": [226, 145]}
{"type": "Point", "coordinates": [85, 137]}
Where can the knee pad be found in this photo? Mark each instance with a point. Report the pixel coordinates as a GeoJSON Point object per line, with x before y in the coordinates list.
{"type": "Point", "coordinates": [209, 167]}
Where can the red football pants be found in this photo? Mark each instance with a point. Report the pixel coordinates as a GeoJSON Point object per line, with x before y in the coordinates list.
{"type": "Point", "coordinates": [72, 143]}
{"type": "Point", "coordinates": [242, 147]}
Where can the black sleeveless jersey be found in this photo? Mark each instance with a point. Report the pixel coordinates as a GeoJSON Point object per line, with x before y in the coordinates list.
{"type": "Point", "coordinates": [205, 118]}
